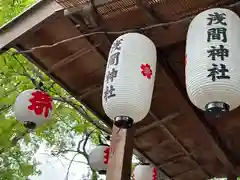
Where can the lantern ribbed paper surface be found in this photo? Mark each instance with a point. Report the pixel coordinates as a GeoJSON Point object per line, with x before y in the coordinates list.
{"type": "Point", "coordinates": [33, 106]}
{"type": "Point", "coordinates": [129, 77]}
{"type": "Point", "coordinates": [144, 172]}
{"type": "Point", "coordinates": [98, 158]}
{"type": "Point", "coordinates": [212, 58]}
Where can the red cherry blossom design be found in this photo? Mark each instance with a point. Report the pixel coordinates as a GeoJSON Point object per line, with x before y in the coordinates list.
{"type": "Point", "coordinates": [146, 70]}
{"type": "Point", "coordinates": [41, 103]}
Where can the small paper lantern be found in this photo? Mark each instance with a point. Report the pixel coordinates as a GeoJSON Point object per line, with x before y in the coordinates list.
{"type": "Point", "coordinates": [145, 172]}
{"type": "Point", "coordinates": [129, 79]}
{"type": "Point", "coordinates": [98, 158]}
{"type": "Point", "coordinates": [212, 61]}
{"type": "Point", "coordinates": [33, 108]}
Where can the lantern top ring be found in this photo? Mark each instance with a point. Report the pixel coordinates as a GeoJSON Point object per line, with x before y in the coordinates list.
{"type": "Point", "coordinates": [124, 122]}
{"type": "Point", "coordinates": [215, 109]}
{"type": "Point", "coordinates": [102, 172]}
{"type": "Point", "coordinates": [29, 125]}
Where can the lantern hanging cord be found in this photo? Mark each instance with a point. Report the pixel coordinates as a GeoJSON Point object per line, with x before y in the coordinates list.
{"type": "Point", "coordinates": [39, 85]}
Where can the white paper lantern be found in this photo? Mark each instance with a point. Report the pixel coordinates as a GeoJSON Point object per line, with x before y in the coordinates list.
{"type": "Point", "coordinates": [98, 158]}
{"type": "Point", "coordinates": [129, 78]}
{"type": "Point", "coordinates": [145, 172]}
{"type": "Point", "coordinates": [212, 61]}
{"type": "Point", "coordinates": [33, 108]}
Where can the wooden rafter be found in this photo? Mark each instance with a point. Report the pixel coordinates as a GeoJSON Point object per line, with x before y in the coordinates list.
{"type": "Point", "coordinates": [186, 152]}
{"type": "Point", "coordinates": [154, 124]}
{"type": "Point", "coordinates": [72, 57]}
{"type": "Point", "coordinates": [147, 11]}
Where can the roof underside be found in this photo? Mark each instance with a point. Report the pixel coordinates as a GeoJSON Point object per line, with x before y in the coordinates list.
{"type": "Point", "coordinates": [175, 136]}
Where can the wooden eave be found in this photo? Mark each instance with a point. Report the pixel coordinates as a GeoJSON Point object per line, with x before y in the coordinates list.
{"type": "Point", "coordinates": [175, 136]}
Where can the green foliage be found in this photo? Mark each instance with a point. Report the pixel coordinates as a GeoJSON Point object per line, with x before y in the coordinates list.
{"type": "Point", "coordinates": [18, 145]}
{"type": "Point", "coordinates": [11, 8]}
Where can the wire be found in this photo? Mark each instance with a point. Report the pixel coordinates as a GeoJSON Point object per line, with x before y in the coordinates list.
{"type": "Point", "coordinates": [163, 25]}
{"type": "Point", "coordinates": [186, 19]}
{"type": "Point", "coordinates": [104, 32]}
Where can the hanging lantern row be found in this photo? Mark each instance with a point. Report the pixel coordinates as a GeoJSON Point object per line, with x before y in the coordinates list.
{"type": "Point", "coordinates": [212, 61]}
{"type": "Point", "coordinates": [98, 158]}
{"type": "Point", "coordinates": [33, 108]}
{"type": "Point", "coordinates": [145, 172]}
{"type": "Point", "coordinates": [129, 79]}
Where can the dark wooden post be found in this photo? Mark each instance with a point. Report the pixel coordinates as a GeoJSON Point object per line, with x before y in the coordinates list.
{"type": "Point", "coordinates": [232, 177]}
{"type": "Point", "coordinates": [119, 165]}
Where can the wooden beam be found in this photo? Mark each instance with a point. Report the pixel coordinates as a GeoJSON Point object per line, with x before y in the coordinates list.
{"type": "Point", "coordinates": [186, 152]}
{"type": "Point", "coordinates": [88, 26]}
{"type": "Point", "coordinates": [43, 11]}
{"type": "Point", "coordinates": [186, 172]}
{"type": "Point", "coordinates": [87, 92]}
{"type": "Point", "coordinates": [232, 177]}
{"type": "Point", "coordinates": [71, 4]}
{"type": "Point", "coordinates": [72, 57]}
{"type": "Point", "coordinates": [119, 167]}
{"type": "Point", "coordinates": [154, 124]}
{"type": "Point", "coordinates": [147, 11]}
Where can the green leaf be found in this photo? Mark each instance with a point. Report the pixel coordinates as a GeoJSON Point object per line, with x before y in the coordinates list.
{"type": "Point", "coordinates": [79, 128]}
{"type": "Point", "coordinates": [27, 170]}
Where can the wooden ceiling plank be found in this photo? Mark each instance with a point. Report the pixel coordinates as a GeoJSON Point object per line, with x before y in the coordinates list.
{"type": "Point", "coordinates": [170, 162]}
{"type": "Point", "coordinates": [87, 92]}
{"type": "Point", "coordinates": [147, 11]}
{"type": "Point", "coordinates": [187, 153]}
{"type": "Point", "coordinates": [72, 58]}
{"type": "Point", "coordinates": [186, 172]}
{"type": "Point", "coordinates": [152, 125]}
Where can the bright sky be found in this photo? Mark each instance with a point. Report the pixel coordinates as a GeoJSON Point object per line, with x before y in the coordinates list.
{"type": "Point", "coordinates": [56, 168]}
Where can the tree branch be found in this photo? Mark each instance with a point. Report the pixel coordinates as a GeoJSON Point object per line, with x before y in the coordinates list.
{"type": "Point", "coordinates": [83, 113]}
{"type": "Point", "coordinates": [75, 161]}
{"type": "Point", "coordinates": [66, 178]}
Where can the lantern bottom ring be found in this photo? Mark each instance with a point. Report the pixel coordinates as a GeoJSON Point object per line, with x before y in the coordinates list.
{"type": "Point", "coordinates": [29, 125]}
{"type": "Point", "coordinates": [215, 109]}
{"type": "Point", "coordinates": [124, 122]}
{"type": "Point", "coordinates": [102, 172]}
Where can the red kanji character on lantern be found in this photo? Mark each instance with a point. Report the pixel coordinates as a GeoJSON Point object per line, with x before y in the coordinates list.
{"type": "Point", "coordinates": [146, 70]}
{"type": "Point", "coordinates": [154, 174]}
{"type": "Point", "coordinates": [41, 103]}
{"type": "Point", "coordinates": [106, 155]}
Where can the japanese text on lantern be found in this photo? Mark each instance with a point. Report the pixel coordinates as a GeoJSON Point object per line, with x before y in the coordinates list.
{"type": "Point", "coordinates": [217, 52]}
{"type": "Point", "coordinates": [41, 103]}
{"type": "Point", "coordinates": [112, 71]}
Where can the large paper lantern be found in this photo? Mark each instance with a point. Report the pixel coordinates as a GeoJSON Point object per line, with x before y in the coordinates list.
{"type": "Point", "coordinates": [145, 172]}
{"type": "Point", "coordinates": [212, 61]}
{"type": "Point", "coordinates": [129, 79]}
{"type": "Point", "coordinates": [98, 158]}
{"type": "Point", "coordinates": [33, 108]}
